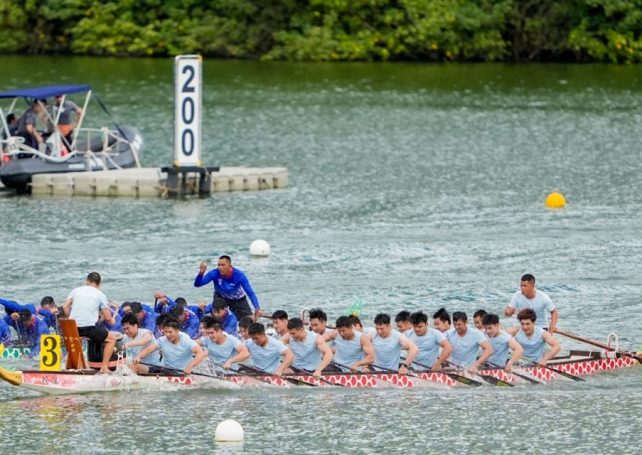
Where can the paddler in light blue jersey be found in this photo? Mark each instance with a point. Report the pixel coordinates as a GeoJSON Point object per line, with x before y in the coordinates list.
{"type": "Point", "coordinates": [530, 297]}
{"type": "Point", "coordinates": [402, 321]}
{"type": "Point", "coordinates": [266, 352]}
{"type": "Point", "coordinates": [280, 324]}
{"type": "Point", "coordinates": [533, 338]}
{"type": "Point", "coordinates": [466, 342]}
{"type": "Point", "coordinates": [429, 342]}
{"type": "Point", "coordinates": [311, 353]}
{"type": "Point", "coordinates": [223, 349]}
{"type": "Point", "coordinates": [136, 339]}
{"type": "Point", "coordinates": [353, 349]}
{"type": "Point", "coordinates": [387, 344]}
{"type": "Point", "coordinates": [502, 343]}
{"type": "Point", "coordinates": [179, 351]}
{"type": "Point", "coordinates": [441, 319]}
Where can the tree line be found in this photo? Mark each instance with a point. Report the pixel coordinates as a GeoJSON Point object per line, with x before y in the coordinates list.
{"type": "Point", "coordinates": [329, 30]}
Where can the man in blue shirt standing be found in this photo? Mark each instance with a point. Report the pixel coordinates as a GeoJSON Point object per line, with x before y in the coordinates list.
{"type": "Point", "coordinates": [230, 286]}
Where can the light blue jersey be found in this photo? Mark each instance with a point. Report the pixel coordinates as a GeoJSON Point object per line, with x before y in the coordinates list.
{"type": "Point", "coordinates": [387, 350]}
{"type": "Point", "coordinates": [533, 346]}
{"type": "Point", "coordinates": [500, 348]}
{"type": "Point", "coordinates": [268, 357]}
{"type": "Point", "coordinates": [541, 304]}
{"type": "Point", "coordinates": [221, 353]}
{"type": "Point", "coordinates": [176, 355]}
{"type": "Point", "coordinates": [465, 348]}
{"type": "Point", "coordinates": [428, 347]}
{"type": "Point", "coordinates": [348, 351]}
{"type": "Point", "coordinates": [153, 358]}
{"type": "Point", "coordinates": [306, 354]}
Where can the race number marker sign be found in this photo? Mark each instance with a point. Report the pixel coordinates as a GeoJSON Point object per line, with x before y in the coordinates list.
{"type": "Point", "coordinates": [187, 110]}
{"type": "Point", "coordinates": [50, 353]}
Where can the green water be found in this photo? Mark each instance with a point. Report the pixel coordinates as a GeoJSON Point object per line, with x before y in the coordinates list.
{"type": "Point", "coordinates": [411, 186]}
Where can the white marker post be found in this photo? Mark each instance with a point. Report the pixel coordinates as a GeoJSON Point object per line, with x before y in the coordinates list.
{"type": "Point", "coordinates": [187, 110]}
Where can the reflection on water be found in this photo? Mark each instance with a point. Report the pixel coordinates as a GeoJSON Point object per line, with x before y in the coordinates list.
{"type": "Point", "coordinates": [411, 186]}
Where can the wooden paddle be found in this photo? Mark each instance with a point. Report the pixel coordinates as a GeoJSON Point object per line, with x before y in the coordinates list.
{"type": "Point", "coordinates": [489, 379]}
{"type": "Point", "coordinates": [456, 377]}
{"type": "Point", "coordinates": [519, 375]}
{"type": "Point", "coordinates": [299, 370]}
{"type": "Point", "coordinates": [599, 345]}
{"type": "Point", "coordinates": [286, 378]}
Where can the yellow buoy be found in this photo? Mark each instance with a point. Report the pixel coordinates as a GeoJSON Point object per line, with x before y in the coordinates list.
{"type": "Point", "coordinates": [555, 200]}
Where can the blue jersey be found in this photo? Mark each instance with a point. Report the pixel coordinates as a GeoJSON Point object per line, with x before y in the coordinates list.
{"type": "Point", "coordinates": [191, 325]}
{"type": "Point", "coordinates": [465, 348]}
{"type": "Point", "coordinates": [428, 347]}
{"type": "Point", "coordinates": [232, 287]}
{"type": "Point", "coordinates": [500, 348]}
{"type": "Point", "coordinates": [5, 332]}
{"type": "Point", "coordinates": [306, 353]}
{"type": "Point", "coordinates": [348, 352]}
{"type": "Point", "coordinates": [268, 357]}
{"type": "Point", "coordinates": [30, 336]}
{"type": "Point", "coordinates": [533, 346]}
{"type": "Point", "coordinates": [221, 353]}
{"type": "Point", "coordinates": [178, 355]}
{"type": "Point", "coordinates": [153, 358]}
{"type": "Point", "coordinates": [11, 306]}
{"type": "Point", "coordinates": [387, 350]}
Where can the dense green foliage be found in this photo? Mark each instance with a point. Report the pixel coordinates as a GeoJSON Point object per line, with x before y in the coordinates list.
{"type": "Point", "coordinates": [325, 30]}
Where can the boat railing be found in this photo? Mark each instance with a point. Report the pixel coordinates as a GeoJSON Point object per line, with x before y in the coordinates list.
{"type": "Point", "coordinates": [13, 146]}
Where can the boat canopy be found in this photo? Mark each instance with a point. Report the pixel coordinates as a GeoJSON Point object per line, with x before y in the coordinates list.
{"type": "Point", "coordinates": [45, 92]}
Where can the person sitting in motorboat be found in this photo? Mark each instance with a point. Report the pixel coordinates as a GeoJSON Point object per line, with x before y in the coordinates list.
{"type": "Point", "coordinates": [27, 126]}
{"type": "Point", "coordinates": [64, 109]}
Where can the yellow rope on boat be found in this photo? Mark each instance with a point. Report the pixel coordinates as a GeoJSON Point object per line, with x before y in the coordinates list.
{"type": "Point", "coordinates": [12, 377]}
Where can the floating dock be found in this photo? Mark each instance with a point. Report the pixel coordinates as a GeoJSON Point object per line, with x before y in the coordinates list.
{"type": "Point", "coordinates": [152, 182]}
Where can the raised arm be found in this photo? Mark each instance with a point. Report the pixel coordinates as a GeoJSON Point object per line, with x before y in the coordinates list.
{"type": "Point", "coordinates": [203, 278]}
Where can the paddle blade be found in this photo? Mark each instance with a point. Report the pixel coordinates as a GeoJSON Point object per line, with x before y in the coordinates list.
{"type": "Point", "coordinates": [355, 308]}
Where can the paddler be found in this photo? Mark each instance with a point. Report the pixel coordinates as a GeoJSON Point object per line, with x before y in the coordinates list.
{"type": "Point", "coordinates": [353, 349]}
{"type": "Point", "coordinates": [84, 304]}
{"type": "Point", "coordinates": [221, 312]}
{"type": "Point", "coordinates": [319, 322]}
{"type": "Point", "coordinates": [188, 321]}
{"type": "Point", "coordinates": [466, 342]}
{"type": "Point", "coordinates": [179, 351]}
{"type": "Point", "coordinates": [388, 343]}
{"type": "Point", "coordinates": [29, 328]}
{"type": "Point", "coordinates": [502, 343]}
{"type": "Point", "coordinates": [47, 310]}
{"type": "Point", "coordinates": [136, 339]}
{"type": "Point", "coordinates": [280, 324]}
{"type": "Point", "coordinates": [223, 349]}
{"type": "Point", "coordinates": [534, 338]}
{"type": "Point", "coordinates": [402, 321]}
{"type": "Point", "coordinates": [429, 342]}
{"type": "Point", "coordinates": [442, 322]}
{"type": "Point", "coordinates": [266, 352]}
{"type": "Point", "coordinates": [144, 313]}
{"type": "Point", "coordinates": [231, 286]}
{"type": "Point", "coordinates": [530, 297]}
{"type": "Point", "coordinates": [311, 353]}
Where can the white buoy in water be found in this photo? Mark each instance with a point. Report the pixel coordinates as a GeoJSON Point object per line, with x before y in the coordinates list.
{"type": "Point", "coordinates": [229, 431]}
{"type": "Point", "coordinates": [260, 248]}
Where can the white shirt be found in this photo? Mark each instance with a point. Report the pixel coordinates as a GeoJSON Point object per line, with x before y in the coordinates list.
{"type": "Point", "coordinates": [87, 301]}
{"type": "Point", "coordinates": [541, 304]}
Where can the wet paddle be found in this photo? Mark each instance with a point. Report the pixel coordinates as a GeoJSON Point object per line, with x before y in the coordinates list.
{"type": "Point", "coordinates": [599, 345]}
{"type": "Point", "coordinates": [519, 375]}
{"type": "Point", "coordinates": [286, 378]}
{"type": "Point", "coordinates": [306, 372]}
{"type": "Point", "coordinates": [456, 377]}
{"type": "Point", "coordinates": [561, 373]}
{"type": "Point", "coordinates": [489, 379]}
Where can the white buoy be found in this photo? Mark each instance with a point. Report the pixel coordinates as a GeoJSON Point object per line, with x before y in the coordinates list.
{"type": "Point", "coordinates": [260, 248]}
{"type": "Point", "coordinates": [229, 431]}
